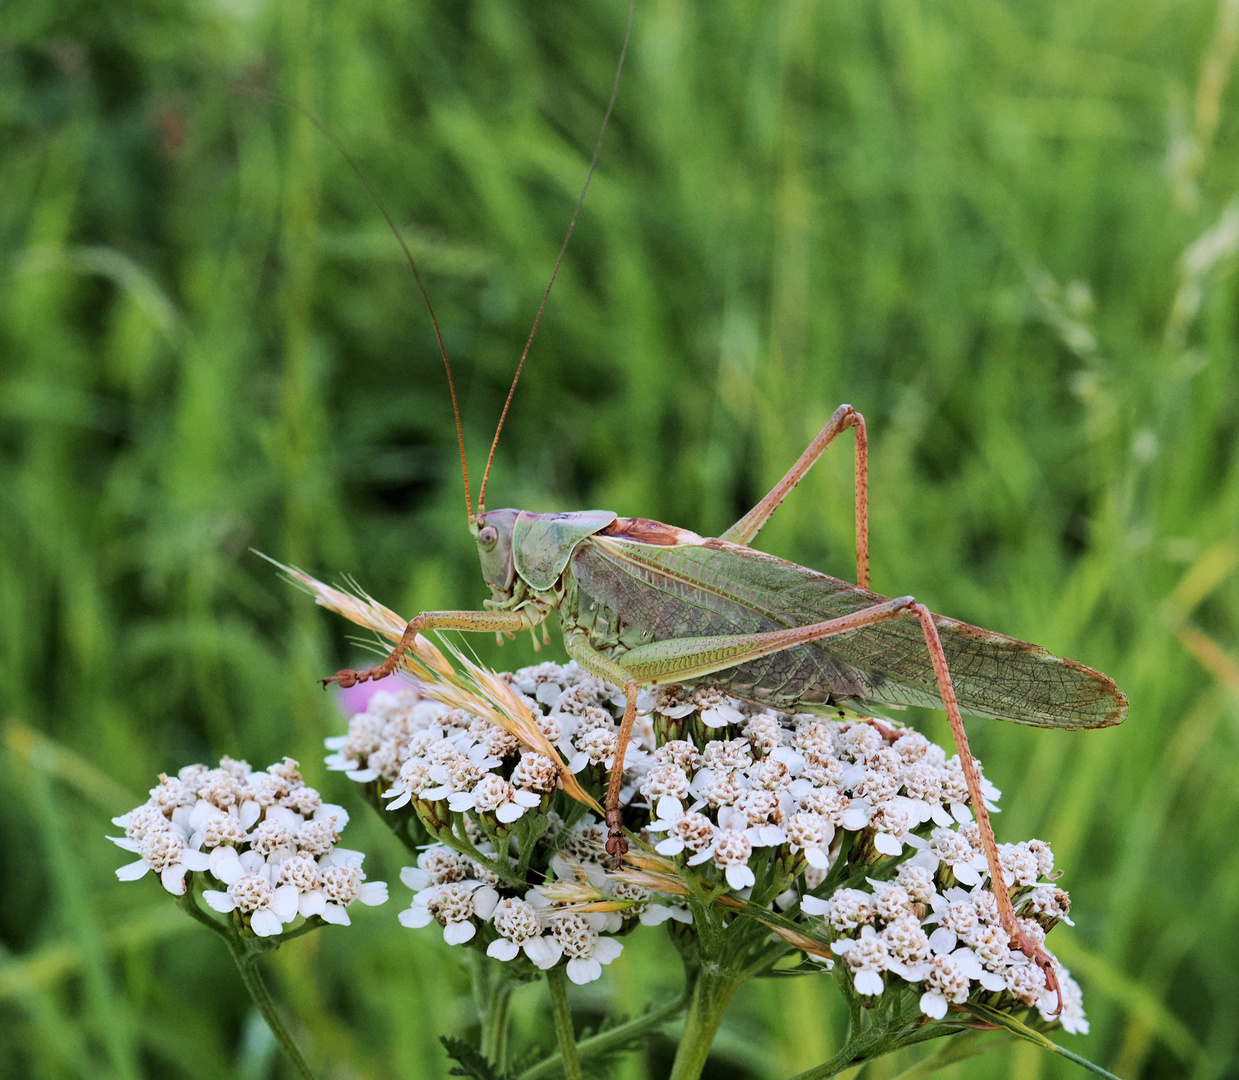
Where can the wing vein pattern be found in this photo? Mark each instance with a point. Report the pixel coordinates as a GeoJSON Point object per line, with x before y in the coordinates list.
{"type": "Point", "coordinates": [715, 587]}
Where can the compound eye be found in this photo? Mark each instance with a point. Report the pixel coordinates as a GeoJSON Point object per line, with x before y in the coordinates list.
{"type": "Point", "coordinates": [488, 537]}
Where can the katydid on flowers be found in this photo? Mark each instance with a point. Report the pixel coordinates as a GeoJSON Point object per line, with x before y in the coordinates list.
{"type": "Point", "coordinates": [644, 604]}
{"type": "Point", "coordinates": [641, 603]}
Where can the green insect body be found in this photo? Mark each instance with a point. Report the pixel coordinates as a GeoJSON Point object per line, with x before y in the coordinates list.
{"type": "Point", "coordinates": [625, 585]}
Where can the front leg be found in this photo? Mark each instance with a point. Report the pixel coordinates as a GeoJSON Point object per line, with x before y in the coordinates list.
{"type": "Point", "coordinates": [493, 621]}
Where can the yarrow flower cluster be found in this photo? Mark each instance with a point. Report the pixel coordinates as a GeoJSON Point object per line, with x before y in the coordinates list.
{"type": "Point", "coordinates": [492, 797]}
{"type": "Point", "coordinates": [768, 842]}
{"type": "Point", "coordinates": [543, 925]}
{"type": "Point", "coordinates": [858, 832]}
{"type": "Point", "coordinates": [265, 838]}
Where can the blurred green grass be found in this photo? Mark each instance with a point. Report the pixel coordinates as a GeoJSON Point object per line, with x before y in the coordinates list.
{"type": "Point", "coordinates": [1007, 232]}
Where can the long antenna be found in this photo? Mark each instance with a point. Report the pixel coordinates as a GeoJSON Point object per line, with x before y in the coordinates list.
{"type": "Point", "coordinates": [296, 106]}
{"type": "Point", "coordinates": [564, 247]}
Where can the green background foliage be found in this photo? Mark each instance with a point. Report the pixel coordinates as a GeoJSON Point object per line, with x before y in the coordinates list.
{"type": "Point", "coordinates": [1003, 229]}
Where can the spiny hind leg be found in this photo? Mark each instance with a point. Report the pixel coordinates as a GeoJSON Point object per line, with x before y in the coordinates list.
{"type": "Point", "coordinates": [972, 776]}
{"type": "Point", "coordinates": [688, 659]}
{"type": "Point", "coordinates": [496, 621]}
{"type": "Point", "coordinates": [743, 531]}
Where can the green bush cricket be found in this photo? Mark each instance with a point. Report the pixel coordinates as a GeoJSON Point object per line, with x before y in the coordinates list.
{"type": "Point", "coordinates": [644, 604]}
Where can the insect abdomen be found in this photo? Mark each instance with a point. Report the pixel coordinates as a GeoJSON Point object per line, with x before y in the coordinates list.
{"type": "Point", "coordinates": [708, 587]}
{"type": "Point", "coordinates": [622, 604]}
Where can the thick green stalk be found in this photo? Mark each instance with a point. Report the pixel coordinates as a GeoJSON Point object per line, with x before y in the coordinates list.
{"type": "Point", "coordinates": [608, 1040]}
{"type": "Point", "coordinates": [563, 1023]}
{"type": "Point", "coordinates": [247, 964]}
{"type": "Point", "coordinates": [495, 1026]}
{"type": "Point", "coordinates": [492, 996]}
{"type": "Point", "coordinates": [711, 996]}
{"type": "Point", "coordinates": [245, 953]}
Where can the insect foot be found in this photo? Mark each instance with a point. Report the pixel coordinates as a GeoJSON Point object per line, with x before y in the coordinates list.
{"type": "Point", "coordinates": [1046, 963]}
{"type": "Point", "coordinates": [348, 677]}
{"type": "Point", "coordinates": [617, 846]}
{"type": "Point", "coordinates": [345, 678]}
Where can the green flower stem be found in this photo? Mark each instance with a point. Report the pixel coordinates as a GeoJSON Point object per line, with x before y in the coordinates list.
{"type": "Point", "coordinates": [712, 993]}
{"type": "Point", "coordinates": [501, 870]}
{"type": "Point", "coordinates": [245, 952]}
{"type": "Point", "coordinates": [492, 996]}
{"type": "Point", "coordinates": [900, 1025]}
{"type": "Point", "coordinates": [189, 905]}
{"type": "Point", "coordinates": [528, 840]}
{"type": "Point", "coordinates": [959, 1047]}
{"type": "Point", "coordinates": [866, 1047]}
{"type": "Point", "coordinates": [607, 1040]}
{"type": "Point", "coordinates": [894, 1025]}
{"type": "Point", "coordinates": [856, 1012]}
{"type": "Point", "coordinates": [247, 964]}
{"type": "Point", "coordinates": [1083, 1062]}
{"type": "Point", "coordinates": [853, 1053]}
{"type": "Point", "coordinates": [308, 927]}
{"type": "Point", "coordinates": [563, 1023]}
{"type": "Point", "coordinates": [1037, 1038]}
{"type": "Point", "coordinates": [495, 1026]}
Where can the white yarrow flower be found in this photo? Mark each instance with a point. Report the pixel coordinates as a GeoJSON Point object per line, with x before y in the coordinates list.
{"type": "Point", "coordinates": [264, 835]}
{"type": "Point", "coordinates": [494, 795]}
{"type": "Point", "coordinates": [867, 957]}
{"type": "Point", "coordinates": [454, 906]}
{"type": "Point", "coordinates": [520, 928]}
{"type": "Point", "coordinates": [250, 891]}
{"type": "Point", "coordinates": [167, 852]}
{"type": "Point", "coordinates": [585, 947]}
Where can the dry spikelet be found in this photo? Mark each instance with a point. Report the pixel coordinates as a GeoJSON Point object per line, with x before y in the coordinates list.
{"type": "Point", "coordinates": [463, 684]}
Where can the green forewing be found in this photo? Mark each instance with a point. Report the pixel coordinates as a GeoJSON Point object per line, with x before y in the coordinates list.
{"type": "Point", "coordinates": [542, 543]}
{"type": "Point", "coordinates": [696, 590]}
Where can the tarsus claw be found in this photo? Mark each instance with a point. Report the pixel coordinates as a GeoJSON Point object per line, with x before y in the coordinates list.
{"type": "Point", "coordinates": [617, 846]}
{"type": "Point", "coordinates": [345, 679]}
{"type": "Point", "coordinates": [1045, 962]}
